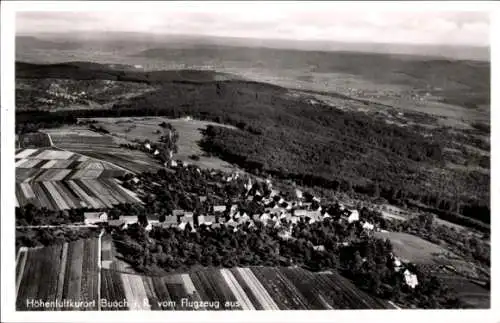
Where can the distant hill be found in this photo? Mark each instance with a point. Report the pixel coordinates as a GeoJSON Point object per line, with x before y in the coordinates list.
{"type": "Point", "coordinates": [416, 71]}
{"type": "Point", "coordinates": [130, 41]}
{"type": "Point", "coordinates": [118, 72]}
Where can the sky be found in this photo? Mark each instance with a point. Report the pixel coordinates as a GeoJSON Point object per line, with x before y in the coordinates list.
{"type": "Point", "coordinates": [295, 21]}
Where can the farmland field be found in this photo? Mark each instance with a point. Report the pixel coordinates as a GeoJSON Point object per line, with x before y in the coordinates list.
{"type": "Point", "coordinates": [61, 180]}
{"type": "Point", "coordinates": [254, 288]}
{"type": "Point", "coordinates": [71, 272]}
{"type": "Point", "coordinates": [413, 248]}
{"type": "Point", "coordinates": [61, 272]}
{"type": "Point", "coordinates": [103, 147]}
{"type": "Point", "coordinates": [146, 128]}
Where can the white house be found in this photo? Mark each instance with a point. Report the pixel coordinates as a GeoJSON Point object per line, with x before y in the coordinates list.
{"type": "Point", "coordinates": [231, 223]}
{"type": "Point", "coordinates": [148, 146]}
{"type": "Point", "coordinates": [206, 219]}
{"type": "Point", "coordinates": [128, 219]}
{"type": "Point", "coordinates": [156, 152]}
{"type": "Point", "coordinates": [95, 217]}
{"type": "Point", "coordinates": [397, 264]}
{"type": "Point", "coordinates": [319, 248]}
{"type": "Point", "coordinates": [219, 208]}
{"type": "Point", "coordinates": [368, 226]}
{"type": "Point", "coordinates": [153, 220]}
{"type": "Point", "coordinates": [353, 217]}
{"type": "Point", "coordinates": [264, 217]}
{"type": "Point", "coordinates": [298, 193]}
{"type": "Point", "coordinates": [300, 213]}
{"type": "Point", "coordinates": [410, 279]}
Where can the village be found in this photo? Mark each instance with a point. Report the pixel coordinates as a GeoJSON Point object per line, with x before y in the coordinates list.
{"type": "Point", "coordinates": [279, 213]}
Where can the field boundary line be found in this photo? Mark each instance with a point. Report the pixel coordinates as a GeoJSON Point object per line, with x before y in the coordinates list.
{"type": "Point", "coordinates": [99, 256]}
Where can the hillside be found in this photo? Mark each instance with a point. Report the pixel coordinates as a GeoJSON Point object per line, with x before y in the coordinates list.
{"type": "Point", "coordinates": [409, 160]}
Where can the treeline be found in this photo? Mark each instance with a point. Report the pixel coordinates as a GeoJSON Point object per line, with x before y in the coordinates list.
{"type": "Point", "coordinates": [95, 71]}
{"type": "Point", "coordinates": [50, 236]}
{"type": "Point", "coordinates": [31, 215]}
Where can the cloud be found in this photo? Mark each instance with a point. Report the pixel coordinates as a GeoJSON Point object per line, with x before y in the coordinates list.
{"type": "Point", "coordinates": [283, 21]}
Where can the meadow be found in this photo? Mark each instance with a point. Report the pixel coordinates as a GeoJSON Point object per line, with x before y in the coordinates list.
{"type": "Point", "coordinates": [133, 129]}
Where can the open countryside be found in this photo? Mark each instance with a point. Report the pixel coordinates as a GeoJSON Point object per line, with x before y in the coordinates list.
{"type": "Point", "coordinates": [172, 173]}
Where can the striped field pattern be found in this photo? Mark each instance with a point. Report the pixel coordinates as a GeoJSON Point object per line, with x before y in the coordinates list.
{"type": "Point", "coordinates": [61, 180]}
{"type": "Point", "coordinates": [71, 271]}
{"type": "Point", "coordinates": [61, 272]}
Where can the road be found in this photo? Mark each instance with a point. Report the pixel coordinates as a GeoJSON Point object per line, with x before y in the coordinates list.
{"type": "Point", "coordinates": [56, 226]}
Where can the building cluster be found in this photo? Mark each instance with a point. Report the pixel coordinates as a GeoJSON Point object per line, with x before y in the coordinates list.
{"type": "Point", "coordinates": [278, 212]}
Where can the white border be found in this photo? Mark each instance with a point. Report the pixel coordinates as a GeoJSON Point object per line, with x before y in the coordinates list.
{"type": "Point", "coordinates": [8, 313]}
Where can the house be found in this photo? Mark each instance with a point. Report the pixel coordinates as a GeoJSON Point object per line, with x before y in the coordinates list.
{"type": "Point", "coordinates": [397, 264]}
{"type": "Point", "coordinates": [298, 194]}
{"type": "Point", "coordinates": [326, 215]}
{"type": "Point", "coordinates": [148, 146]}
{"type": "Point", "coordinates": [353, 217]}
{"type": "Point", "coordinates": [170, 221]}
{"type": "Point", "coordinates": [135, 180]}
{"type": "Point", "coordinates": [319, 248]}
{"type": "Point", "coordinates": [410, 279]}
{"type": "Point", "coordinates": [248, 185]}
{"type": "Point", "coordinates": [95, 217]}
{"type": "Point", "coordinates": [156, 152]}
{"type": "Point", "coordinates": [177, 212]}
{"type": "Point", "coordinates": [153, 220]}
{"type": "Point", "coordinates": [219, 208]}
{"type": "Point", "coordinates": [172, 163]}
{"type": "Point", "coordinates": [264, 218]}
{"type": "Point", "coordinates": [206, 219]}
{"type": "Point", "coordinates": [182, 225]}
{"type": "Point", "coordinates": [188, 214]}
{"type": "Point", "coordinates": [273, 193]}
{"type": "Point", "coordinates": [242, 220]}
{"type": "Point", "coordinates": [118, 224]}
{"type": "Point", "coordinates": [368, 226]}
{"type": "Point", "coordinates": [300, 213]}
{"type": "Point", "coordinates": [187, 219]}
{"type": "Point", "coordinates": [285, 234]}
{"type": "Point", "coordinates": [231, 223]}
{"type": "Point", "coordinates": [203, 198]}
{"type": "Point", "coordinates": [233, 209]}
{"type": "Point", "coordinates": [127, 220]}
{"type": "Point", "coordinates": [316, 215]}
{"type": "Point", "coordinates": [185, 164]}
